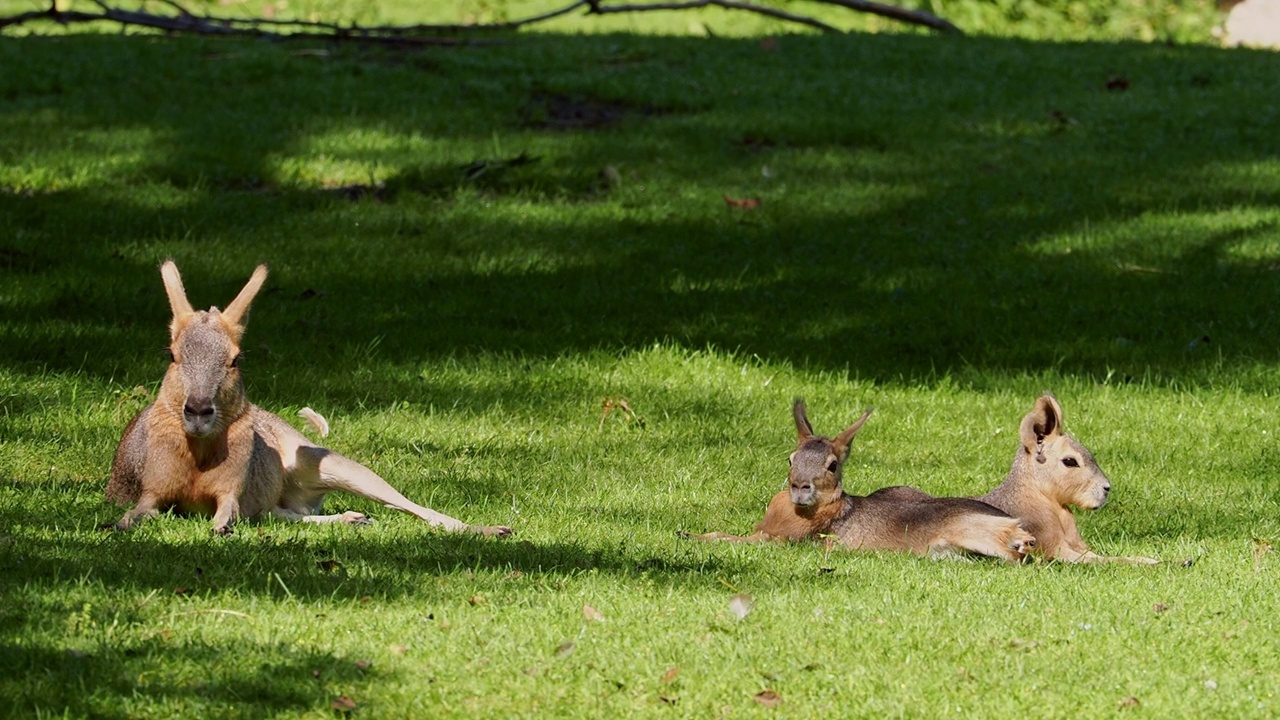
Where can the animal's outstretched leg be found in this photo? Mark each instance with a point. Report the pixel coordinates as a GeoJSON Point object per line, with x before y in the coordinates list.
{"type": "Point", "coordinates": [335, 472]}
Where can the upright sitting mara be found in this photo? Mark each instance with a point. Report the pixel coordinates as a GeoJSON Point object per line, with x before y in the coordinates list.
{"type": "Point", "coordinates": [202, 447]}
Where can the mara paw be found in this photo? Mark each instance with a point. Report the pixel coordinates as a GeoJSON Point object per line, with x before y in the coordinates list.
{"type": "Point", "coordinates": [352, 517]}
{"type": "Point", "coordinates": [1021, 542]}
{"type": "Point", "coordinates": [1140, 560]}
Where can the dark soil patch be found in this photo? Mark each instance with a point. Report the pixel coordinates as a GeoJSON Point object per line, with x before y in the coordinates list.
{"type": "Point", "coordinates": [552, 111]}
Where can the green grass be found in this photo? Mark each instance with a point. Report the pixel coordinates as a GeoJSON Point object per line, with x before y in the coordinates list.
{"type": "Point", "coordinates": [948, 227]}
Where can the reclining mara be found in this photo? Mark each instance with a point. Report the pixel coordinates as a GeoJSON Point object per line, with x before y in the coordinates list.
{"type": "Point", "coordinates": [202, 447]}
{"type": "Point", "coordinates": [1051, 473]}
{"type": "Point", "coordinates": [815, 504]}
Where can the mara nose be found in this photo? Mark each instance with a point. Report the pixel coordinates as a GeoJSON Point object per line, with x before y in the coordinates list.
{"type": "Point", "coordinates": [198, 409]}
{"type": "Point", "coordinates": [1106, 489]}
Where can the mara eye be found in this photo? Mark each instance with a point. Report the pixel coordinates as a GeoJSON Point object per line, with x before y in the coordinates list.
{"type": "Point", "coordinates": [789, 461]}
{"type": "Point", "coordinates": [1070, 462]}
{"type": "Point", "coordinates": [235, 361]}
{"type": "Point", "coordinates": [833, 466]}
{"type": "Point", "coordinates": [169, 354]}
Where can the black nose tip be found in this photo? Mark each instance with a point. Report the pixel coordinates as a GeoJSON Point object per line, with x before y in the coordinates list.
{"type": "Point", "coordinates": [202, 411]}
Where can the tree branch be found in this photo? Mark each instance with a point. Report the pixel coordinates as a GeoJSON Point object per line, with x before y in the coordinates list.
{"type": "Point", "coordinates": [914, 17]}
{"type": "Point", "coordinates": [598, 9]}
{"type": "Point", "coordinates": [188, 22]}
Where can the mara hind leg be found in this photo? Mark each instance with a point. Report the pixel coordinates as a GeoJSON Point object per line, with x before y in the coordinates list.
{"type": "Point", "coordinates": [331, 471]}
{"type": "Point", "coordinates": [1074, 549]}
{"type": "Point", "coordinates": [350, 517]}
{"type": "Point", "coordinates": [1071, 555]}
{"type": "Point", "coordinates": [988, 535]}
{"type": "Point", "coordinates": [125, 485]}
{"type": "Point", "coordinates": [725, 537]}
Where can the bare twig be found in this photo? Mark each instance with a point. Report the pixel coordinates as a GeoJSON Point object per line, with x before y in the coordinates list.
{"type": "Point", "coordinates": [597, 8]}
{"type": "Point", "coordinates": [186, 21]}
{"type": "Point", "coordinates": [914, 17]}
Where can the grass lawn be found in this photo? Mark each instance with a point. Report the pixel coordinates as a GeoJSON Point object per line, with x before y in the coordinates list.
{"type": "Point", "coordinates": [946, 227]}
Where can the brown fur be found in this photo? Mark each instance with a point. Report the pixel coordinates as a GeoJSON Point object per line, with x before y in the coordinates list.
{"type": "Point", "coordinates": [1051, 473]}
{"type": "Point", "coordinates": [203, 448]}
{"type": "Point", "coordinates": [816, 505]}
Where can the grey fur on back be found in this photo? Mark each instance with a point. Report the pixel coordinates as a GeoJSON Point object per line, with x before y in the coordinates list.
{"type": "Point", "coordinates": [131, 456]}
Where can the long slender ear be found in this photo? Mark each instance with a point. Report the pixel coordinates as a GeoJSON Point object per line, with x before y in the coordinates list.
{"type": "Point", "coordinates": [1044, 422]}
{"type": "Point", "coordinates": [239, 307]}
{"type": "Point", "coordinates": [804, 430]}
{"type": "Point", "coordinates": [173, 288]}
{"type": "Point", "coordinates": [843, 439]}
{"type": "Point", "coordinates": [177, 297]}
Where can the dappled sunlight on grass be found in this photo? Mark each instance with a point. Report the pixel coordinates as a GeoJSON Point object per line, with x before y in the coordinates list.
{"type": "Point", "coordinates": [84, 156]}
{"type": "Point", "coordinates": [598, 350]}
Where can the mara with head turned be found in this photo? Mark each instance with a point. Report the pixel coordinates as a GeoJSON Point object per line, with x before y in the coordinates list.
{"type": "Point", "coordinates": [1051, 473]}
{"type": "Point", "coordinates": [815, 504]}
{"type": "Point", "coordinates": [202, 447]}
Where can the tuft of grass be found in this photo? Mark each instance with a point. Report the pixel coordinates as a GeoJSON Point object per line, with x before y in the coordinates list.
{"type": "Point", "coordinates": [946, 228]}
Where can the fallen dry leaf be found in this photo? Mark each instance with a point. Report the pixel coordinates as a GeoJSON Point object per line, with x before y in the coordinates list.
{"type": "Point", "coordinates": [669, 676]}
{"type": "Point", "coordinates": [768, 44]}
{"type": "Point", "coordinates": [343, 704]}
{"type": "Point", "coordinates": [669, 699]}
{"type": "Point", "coordinates": [1063, 120]}
{"type": "Point", "coordinates": [1118, 83]}
{"type": "Point", "coordinates": [740, 605]}
{"type": "Point", "coordinates": [767, 698]}
{"type": "Point", "coordinates": [398, 649]}
{"type": "Point", "coordinates": [746, 203]}
{"type": "Point", "coordinates": [1159, 608]}
{"type": "Point", "coordinates": [475, 600]}
{"type": "Point", "coordinates": [622, 406]}
{"type": "Point", "coordinates": [329, 565]}
{"type": "Point", "coordinates": [1261, 546]}
{"type": "Point", "coordinates": [565, 649]}
{"type": "Point", "coordinates": [1129, 702]}
{"type": "Point", "coordinates": [591, 613]}
{"type": "Point", "coordinates": [363, 664]}
{"type": "Point", "coordinates": [748, 141]}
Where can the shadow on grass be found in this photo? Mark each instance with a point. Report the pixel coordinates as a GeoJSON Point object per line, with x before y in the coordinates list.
{"type": "Point", "coordinates": [965, 268]}
{"type": "Point", "coordinates": [312, 564]}
{"type": "Point", "coordinates": [107, 681]}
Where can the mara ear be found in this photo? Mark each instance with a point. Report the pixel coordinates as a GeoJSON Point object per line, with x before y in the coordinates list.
{"type": "Point", "coordinates": [178, 302]}
{"type": "Point", "coordinates": [843, 439]}
{"type": "Point", "coordinates": [239, 307]}
{"type": "Point", "coordinates": [1044, 422]}
{"type": "Point", "coordinates": [804, 430]}
{"type": "Point", "coordinates": [173, 288]}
